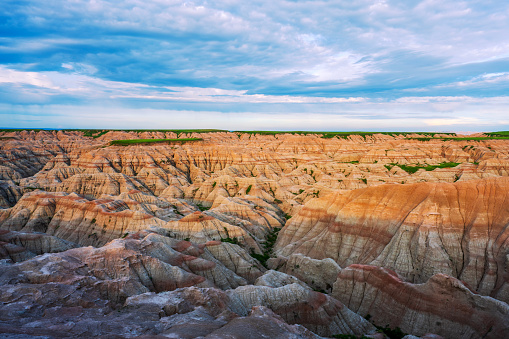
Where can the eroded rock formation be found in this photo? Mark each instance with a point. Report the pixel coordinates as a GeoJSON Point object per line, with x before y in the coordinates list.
{"type": "Point", "coordinates": [175, 239]}
{"type": "Point", "coordinates": [459, 229]}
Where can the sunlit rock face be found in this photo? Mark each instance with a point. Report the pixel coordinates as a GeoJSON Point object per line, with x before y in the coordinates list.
{"type": "Point", "coordinates": [287, 236]}
{"type": "Point", "coordinates": [459, 229]}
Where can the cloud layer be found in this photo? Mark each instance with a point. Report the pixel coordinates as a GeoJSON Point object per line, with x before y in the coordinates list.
{"type": "Point", "coordinates": [367, 64]}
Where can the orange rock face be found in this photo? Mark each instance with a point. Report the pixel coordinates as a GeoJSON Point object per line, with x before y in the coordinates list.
{"type": "Point", "coordinates": [418, 230]}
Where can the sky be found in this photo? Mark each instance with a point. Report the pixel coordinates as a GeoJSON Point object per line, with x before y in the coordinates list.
{"type": "Point", "coordinates": [363, 65]}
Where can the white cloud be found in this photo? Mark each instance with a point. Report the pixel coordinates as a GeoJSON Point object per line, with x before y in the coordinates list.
{"type": "Point", "coordinates": [94, 88]}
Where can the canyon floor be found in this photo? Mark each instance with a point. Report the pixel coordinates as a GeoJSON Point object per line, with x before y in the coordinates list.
{"type": "Point", "coordinates": [216, 234]}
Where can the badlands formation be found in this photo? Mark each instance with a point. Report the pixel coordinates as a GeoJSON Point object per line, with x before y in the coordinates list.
{"type": "Point", "coordinates": [245, 235]}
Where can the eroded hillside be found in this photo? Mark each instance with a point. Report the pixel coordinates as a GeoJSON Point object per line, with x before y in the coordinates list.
{"type": "Point", "coordinates": [210, 233]}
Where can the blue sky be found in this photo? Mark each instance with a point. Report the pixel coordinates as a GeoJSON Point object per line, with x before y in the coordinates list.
{"type": "Point", "coordinates": [433, 65]}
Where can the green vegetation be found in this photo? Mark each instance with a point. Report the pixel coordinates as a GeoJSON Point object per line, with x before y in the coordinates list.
{"type": "Point", "coordinates": [202, 208]}
{"type": "Point", "coordinates": [91, 133]}
{"type": "Point", "coordinates": [268, 245]}
{"type": "Point", "coordinates": [277, 201]}
{"type": "Point", "coordinates": [499, 134]}
{"type": "Point", "coordinates": [491, 136]}
{"type": "Point", "coordinates": [149, 141]}
{"type": "Point", "coordinates": [392, 333]}
{"type": "Point", "coordinates": [329, 135]}
{"type": "Point", "coordinates": [228, 239]}
{"type": "Point", "coordinates": [410, 169]}
{"type": "Point", "coordinates": [177, 131]}
{"type": "Point", "coordinates": [249, 189]}
{"type": "Point", "coordinates": [95, 133]}
{"type": "Point", "coordinates": [364, 180]}
{"type": "Point", "coordinates": [395, 333]}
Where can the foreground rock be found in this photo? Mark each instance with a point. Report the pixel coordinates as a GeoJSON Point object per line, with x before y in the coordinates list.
{"type": "Point", "coordinates": [156, 286]}
{"type": "Point", "coordinates": [443, 305]}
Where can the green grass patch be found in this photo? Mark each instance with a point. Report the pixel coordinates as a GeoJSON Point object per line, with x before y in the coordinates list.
{"type": "Point", "coordinates": [491, 137]}
{"type": "Point", "coordinates": [249, 189]}
{"type": "Point", "coordinates": [95, 133]}
{"type": "Point", "coordinates": [498, 134]}
{"type": "Point", "coordinates": [267, 247]}
{"type": "Point", "coordinates": [151, 141]}
{"type": "Point", "coordinates": [91, 133]}
{"type": "Point", "coordinates": [202, 208]}
{"type": "Point", "coordinates": [233, 240]}
{"type": "Point", "coordinates": [343, 135]}
{"type": "Point", "coordinates": [410, 169]}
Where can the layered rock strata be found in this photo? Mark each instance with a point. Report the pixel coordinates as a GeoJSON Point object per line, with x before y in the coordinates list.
{"type": "Point", "coordinates": [418, 230]}
{"type": "Point", "coordinates": [443, 305]}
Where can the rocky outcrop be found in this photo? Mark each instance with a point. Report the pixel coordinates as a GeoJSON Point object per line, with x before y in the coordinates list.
{"type": "Point", "coordinates": [116, 271]}
{"type": "Point", "coordinates": [417, 230]}
{"type": "Point", "coordinates": [177, 228]}
{"type": "Point", "coordinates": [318, 274]}
{"type": "Point", "coordinates": [443, 305]}
{"type": "Point", "coordinates": [30, 245]}
{"type": "Point", "coordinates": [296, 304]}
{"type": "Point", "coordinates": [9, 194]}
{"type": "Point", "coordinates": [75, 218]}
{"type": "Point", "coordinates": [73, 292]}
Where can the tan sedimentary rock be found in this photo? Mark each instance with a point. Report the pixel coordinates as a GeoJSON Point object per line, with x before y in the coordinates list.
{"type": "Point", "coordinates": [118, 270]}
{"type": "Point", "coordinates": [251, 183]}
{"type": "Point", "coordinates": [276, 279]}
{"type": "Point", "coordinates": [201, 227]}
{"type": "Point", "coordinates": [193, 259]}
{"type": "Point", "coordinates": [443, 305]}
{"type": "Point", "coordinates": [198, 312]}
{"type": "Point", "coordinates": [14, 252]}
{"type": "Point", "coordinates": [418, 230]}
{"type": "Point", "coordinates": [261, 322]}
{"type": "Point", "coordinates": [73, 218]}
{"type": "Point", "coordinates": [33, 243]}
{"type": "Point", "coordinates": [9, 193]}
{"type": "Point", "coordinates": [234, 258]}
{"type": "Point", "coordinates": [319, 274]}
{"type": "Point", "coordinates": [295, 304]}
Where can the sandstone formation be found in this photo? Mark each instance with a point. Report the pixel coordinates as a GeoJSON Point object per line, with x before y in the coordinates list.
{"type": "Point", "coordinates": [443, 305]}
{"type": "Point", "coordinates": [30, 244]}
{"type": "Point", "coordinates": [418, 230]}
{"type": "Point", "coordinates": [174, 239]}
{"type": "Point", "coordinates": [318, 274]}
